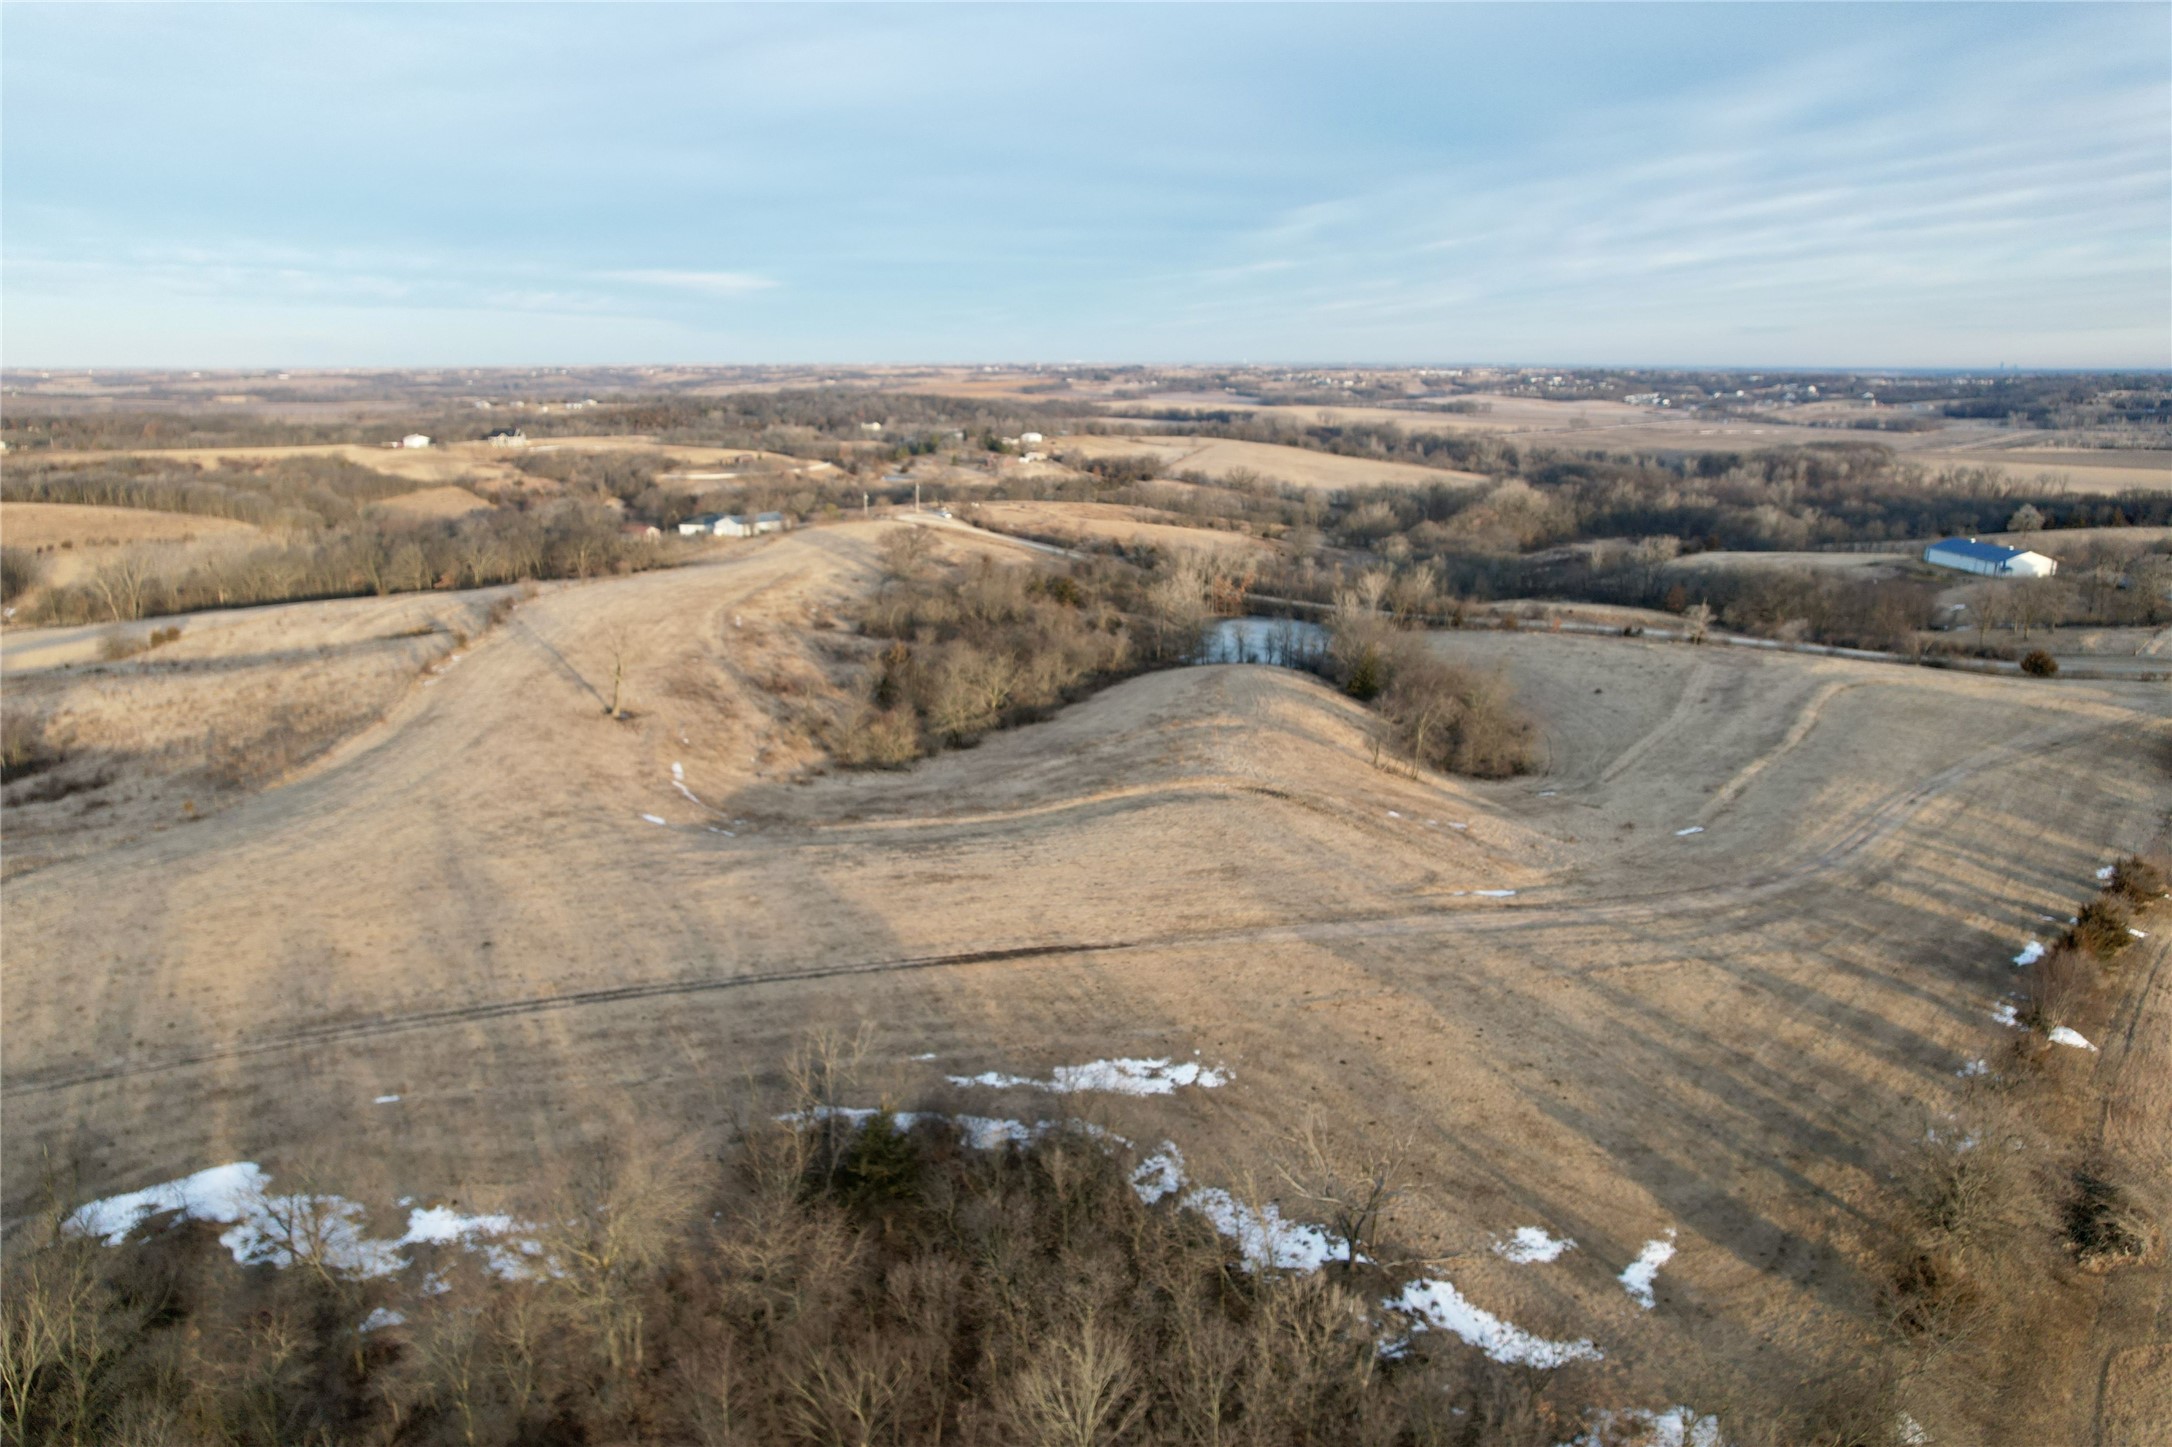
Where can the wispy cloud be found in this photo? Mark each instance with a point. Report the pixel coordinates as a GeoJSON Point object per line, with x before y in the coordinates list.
{"type": "Point", "coordinates": [707, 283]}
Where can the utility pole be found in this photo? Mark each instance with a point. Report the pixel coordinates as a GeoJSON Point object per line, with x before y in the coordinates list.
{"type": "Point", "coordinates": [916, 497]}
{"type": "Point", "coordinates": [867, 506]}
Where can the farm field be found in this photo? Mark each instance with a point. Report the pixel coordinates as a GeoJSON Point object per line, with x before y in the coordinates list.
{"type": "Point", "coordinates": [72, 539]}
{"type": "Point", "coordinates": [1094, 521]}
{"type": "Point", "coordinates": [1685, 985]}
{"type": "Point", "coordinates": [1299, 466]}
{"type": "Point", "coordinates": [1615, 426]}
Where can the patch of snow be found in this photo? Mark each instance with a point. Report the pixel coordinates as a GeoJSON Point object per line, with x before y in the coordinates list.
{"type": "Point", "coordinates": [977, 1131]}
{"type": "Point", "coordinates": [1496, 893]}
{"type": "Point", "coordinates": [265, 1229]}
{"type": "Point", "coordinates": [1637, 1277]}
{"type": "Point", "coordinates": [435, 1284]}
{"type": "Point", "coordinates": [678, 771]}
{"type": "Point", "coordinates": [386, 1100]}
{"type": "Point", "coordinates": [1393, 815]}
{"type": "Point", "coordinates": [1438, 1306]}
{"type": "Point", "coordinates": [1675, 1427]}
{"type": "Point", "coordinates": [1263, 1238]}
{"type": "Point", "coordinates": [382, 1317]}
{"type": "Point", "coordinates": [1160, 1174]}
{"type": "Point", "coordinates": [2107, 871]}
{"type": "Point", "coordinates": [1531, 1243]}
{"type": "Point", "coordinates": [654, 820]}
{"type": "Point", "coordinates": [929, 1056]}
{"type": "Point", "coordinates": [1548, 793]}
{"type": "Point", "coordinates": [2065, 1035]}
{"type": "Point", "coordinates": [2030, 953]}
{"type": "Point", "coordinates": [1117, 1077]}
{"type": "Point", "coordinates": [1453, 825]}
{"type": "Point", "coordinates": [1692, 829]}
{"type": "Point", "coordinates": [1909, 1432]}
{"type": "Point", "coordinates": [441, 1225]}
{"type": "Point", "coordinates": [2006, 1014]}
{"type": "Point", "coordinates": [2136, 933]}
{"type": "Point", "coordinates": [1974, 1067]}
{"type": "Point", "coordinates": [221, 1194]}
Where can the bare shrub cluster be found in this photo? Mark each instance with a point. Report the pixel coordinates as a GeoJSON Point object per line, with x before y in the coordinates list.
{"type": "Point", "coordinates": [1434, 713]}
{"type": "Point", "coordinates": [861, 1284]}
{"type": "Point", "coordinates": [989, 645]}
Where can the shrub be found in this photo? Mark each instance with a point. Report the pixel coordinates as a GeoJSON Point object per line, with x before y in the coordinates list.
{"type": "Point", "coordinates": [2101, 927]}
{"type": "Point", "coordinates": [25, 748]}
{"type": "Point", "coordinates": [2136, 880]}
{"type": "Point", "coordinates": [20, 571]}
{"type": "Point", "coordinates": [2106, 1227]}
{"type": "Point", "coordinates": [2038, 664]}
{"type": "Point", "coordinates": [2056, 986]}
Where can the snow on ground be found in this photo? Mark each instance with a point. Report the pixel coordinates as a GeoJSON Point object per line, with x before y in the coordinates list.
{"type": "Point", "coordinates": [678, 781]}
{"type": "Point", "coordinates": [2004, 1013]}
{"type": "Point", "coordinates": [2106, 872]}
{"type": "Point", "coordinates": [386, 1100]}
{"type": "Point", "coordinates": [1692, 829]}
{"type": "Point", "coordinates": [2030, 953]}
{"type": "Point", "coordinates": [654, 820]}
{"type": "Point", "coordinates": [1263, 1238]}
{"type": "Point", "coordinates": [1118, 1077]}
{"type": "Point", "coordinates": [1637, 1277]}
{"type": "Point", "coordinates": [2136, 933]}
{"type": "Point", "coordinates": [2066, 1036]}
{"type": "Point", "coordinates": [1531, 1243]}
{"type": "Point", "coordinates": [1438, 1306]}
{"type": "Point", "coordinates": [1495, 893]}
{"type": "Point", "coordinates": [1974, 1067]}
{"type": "Point", "coordinates": [1675, 1427]}
{"type": "Point", "coordinates": [1160, 1174]}
{"type": "Point", "coordinates": [266, 1229]}
{"type": "Point", "coordinates": [383, 1316]}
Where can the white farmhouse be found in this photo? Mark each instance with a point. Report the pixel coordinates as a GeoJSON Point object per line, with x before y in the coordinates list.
{"type": "Point", "coordinates": [699, 524]}
{"type": "Point", "coordinates": [414, 439]}
{"type": "Point", "coordinates": [1027, 439]}
{"type": "Point", "coordinates": [1966, 555]}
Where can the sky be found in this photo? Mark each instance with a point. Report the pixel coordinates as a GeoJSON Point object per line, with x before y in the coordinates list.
{"type": "Point", "coordinates": [1894, 185]}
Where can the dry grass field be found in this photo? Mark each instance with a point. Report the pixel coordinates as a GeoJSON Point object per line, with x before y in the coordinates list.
{"type": "Point", "coordinates": [1074, 522]}
{"type": "Point", "coordinates": [72, 540]}
{"type": "Point", "coordinates": [1216, 458]}
{"type": "Point", "coordinates": [1696, 982]}
{"type": "Point", "coordinates": [435, 502]}
{"type": "Point", "coordinates": [1618, 427]}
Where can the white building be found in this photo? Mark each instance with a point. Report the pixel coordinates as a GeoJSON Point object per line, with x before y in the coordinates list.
{"type": "Point", "coordinates": [1966, 555]}
{"type": "Point", "coordinates": [732, 525]}
{"type": "Point", "coordinates": [414, 439]}
{"type": "Point", "coordinates": [694, 527]}
{"type": "Point", "coordinates": [506, 437]}
{"type": "Point", "coordinates": [769, 522]}
{"type": "Point", "coordinates": [1027, 439]}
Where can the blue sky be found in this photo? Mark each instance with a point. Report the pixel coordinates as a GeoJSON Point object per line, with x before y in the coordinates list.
{"type": "Point", "coordinates": [1896, 185]}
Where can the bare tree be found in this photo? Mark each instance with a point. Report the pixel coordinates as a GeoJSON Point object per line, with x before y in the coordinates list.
{"type": "Point", "coordinates": [1352, 1183]}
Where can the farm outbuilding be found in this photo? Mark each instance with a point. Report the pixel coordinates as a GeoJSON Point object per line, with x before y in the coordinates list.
{"type": "Point", "coordinates": [694, 527]}
{"type": "Point", "coordinates": [1966, 555]}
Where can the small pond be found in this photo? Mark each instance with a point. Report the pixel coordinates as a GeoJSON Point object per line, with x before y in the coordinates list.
{"type": "Point", "coordinates": [1284, 642]}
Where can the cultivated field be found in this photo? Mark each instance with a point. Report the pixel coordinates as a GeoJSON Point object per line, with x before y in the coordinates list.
{"type": "Point", "coordinates": [1217, 458]}
{"type": "Point", "coordinates": [1074, 522]}
{"type": "Point", "coordinates": [72, 540]}
{"type": "Point", "coordinates": [1693, 984]}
